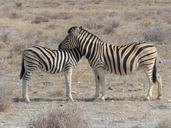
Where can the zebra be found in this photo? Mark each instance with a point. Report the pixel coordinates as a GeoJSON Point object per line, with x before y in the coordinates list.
{"type": "Point", "coordinates": [120, 60]}
{"type": "Point", "coordinates": [50, 61]}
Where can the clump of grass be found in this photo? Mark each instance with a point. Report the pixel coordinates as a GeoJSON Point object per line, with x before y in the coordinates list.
{"type": "Point", "coordinates": [5, 102]}
{"type": "Point", "coordinates": [14, 15]}
{"type": "Point", "coordinates": [57, 15]}
{"type": "Point", "coordinates": [4, 37]}
{"type": "Point", "coordinates": [65, 117]}
{"type": "Point", "coordinates": [164, 124]}
{"type": "Point", "coordinates": [18, 4]}
{"type": "Point", "coordinates": [92, 23]}
{"type": "Point", "coordinates": [153, 34]}
{"type": "Point", "coordinates": [113, 22]}
{"type": "Point", "coordinates": [18, 48]}
{"type": "Point", "coordinates": [40, 19]}
{"type": "Point", "coordinates": [108, 30]}
{"type": "Point", "coordinates": [110, 23]}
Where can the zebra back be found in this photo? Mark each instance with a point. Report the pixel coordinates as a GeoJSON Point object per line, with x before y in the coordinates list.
{"type": "Point", "coordinates": [48, 60]}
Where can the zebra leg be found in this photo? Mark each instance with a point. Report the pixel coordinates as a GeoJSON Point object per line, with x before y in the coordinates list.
{"type": "Point", "coordinates": [68, 75]}
{"type": "Point", "coordinates": [150, 90]}
{"type": "Point", "coordinates": [97, 80]}
{"type": "Point", "coordinates": [102, 83]}
{"type": "Point", "coordinates": [160, 88]}
{"type": "Point", "coordinates": [25, 89]}
{"type": "Point", "coordinates": [151, 84]}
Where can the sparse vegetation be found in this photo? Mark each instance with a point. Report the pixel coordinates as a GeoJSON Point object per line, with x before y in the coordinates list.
{"type": "Point", "coordinates": [153, 34]}
{"type": "Point", "coordinates": [5, 101]}
{"type": "Point", "coordinates": [113, 22]}
{"type": "Point", "coordinates": [40, 19]}
{"type": "Point", "coordinates": [164, 124]}
{"type": "Point", "coordinates": [65, 117]}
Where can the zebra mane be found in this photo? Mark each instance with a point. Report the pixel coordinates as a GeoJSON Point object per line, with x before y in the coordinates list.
{"type": "Point", "coordinates": [84, 30]}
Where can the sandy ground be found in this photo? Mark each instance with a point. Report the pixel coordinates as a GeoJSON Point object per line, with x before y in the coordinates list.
{"type": "Point", "coordinates": [46, 23]}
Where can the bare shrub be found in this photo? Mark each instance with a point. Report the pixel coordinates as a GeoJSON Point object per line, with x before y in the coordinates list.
{"type": "Point", "coordinates": [14, 15]}
{"type": "Point", "coordinates": [97, 1]}
{"type": "Point", "coordinates": [108, 30]}
{"type": "Point", "coordinates": [91, 23]}
{"type": "Point", "coordinates": [18, 4]}
{"type": "Point", "coordinates": [65, 117]}
{"type": "Point", "coordinates": [57, 15]}
{"type": "Point", "coordinates": [18, 48]}
{"type": "Point", "coordinates": [110, 23]}
{"type": "Point", "coordinates": [40, 19]}
{"type": "Point", "coordinates": [113, 22]}
{"type": "Point", "coordinates": [153, 34]}
{"type": "Point", "coordinates": [4, 37]}
{"type": "Point", "coordinates": [5, 102]}
{"type": "Point", "coordinates": [164, 124]}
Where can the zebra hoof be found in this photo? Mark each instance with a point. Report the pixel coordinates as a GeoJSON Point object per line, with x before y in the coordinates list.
{"type": "Point", "coordinates": [103, 98]}
{"type": "Point", "coordinates": [147, 98]}
{"type": "Point", "coordinates": [95, 97]}
{"type": "Point", "coordinates": [159, 97]}
{"type": "Point", "coordinates": [100, 99]}
{"type": "Point", "coordinates": [27, 100]}
{"type": "Point", "coordinates": [70, 99]}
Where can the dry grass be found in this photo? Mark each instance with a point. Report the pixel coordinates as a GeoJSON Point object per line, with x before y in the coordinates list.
{"type": "Point", "coordinates": [5, 101]}
{"type": "Point", "coordinates": [154, 34]}
{"type": "Point", "coordinates": [40, 19]}
{"type": "Point", "coordinates": [64, 117]}
{"type": "Point", "coordinates": [113, 22]}
{"type": "Point", "coordinates": [164, 124]}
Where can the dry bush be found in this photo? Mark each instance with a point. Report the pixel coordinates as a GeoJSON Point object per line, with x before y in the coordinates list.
{"type": "Point", "coordinates": [113, 22]}
{"type": "Point", "coordinates": [65, 117]}
{"type": "Point", "coordinates": [18, 4]}
{"type": "Point", "coordinates": [164, 124]}
{"type": "Point", "coordinates": [92, 23]}
{"type": "Point", "coordinates": [165, 14]}
{"type": "Point", "coordinates": [57, 15]}
{"type": "Point", "coordinates": [153, 34]}
{"type": "Point", "coordinates": [51, 4]}
{"type": "Point", "coordinates": [110, 23]}
{"type": "Point", "coordinates": [140, 14]}
{"type": "Point", "coordinates": [18, 48]}
{"type": "Point", "coordinates": [40, 19]}
{"type": "Point", "coordinates": [108, 30]}
{"type": "Point", "coordinates": [14, 15]}
{"type": "Point", "coordinates": [4, 37]}
{"type": "Point", "coordinates": [5, 102]}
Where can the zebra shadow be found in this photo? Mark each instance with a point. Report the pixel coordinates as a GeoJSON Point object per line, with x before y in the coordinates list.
{"type": "Point", "coordinates": [40, 99]}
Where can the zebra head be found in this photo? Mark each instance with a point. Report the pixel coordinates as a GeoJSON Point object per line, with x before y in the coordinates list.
{"type": "Point", "coordinates": [71, 40]}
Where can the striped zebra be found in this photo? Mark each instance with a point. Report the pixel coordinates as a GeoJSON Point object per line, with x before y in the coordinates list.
{"type": "Point", "coordinates": [122, 60]}
{"type": "Point", "coordinates": [50, 61]}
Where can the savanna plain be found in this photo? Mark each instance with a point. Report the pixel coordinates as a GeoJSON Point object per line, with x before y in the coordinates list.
{"type": "Point", "coordinates": [45, 22]}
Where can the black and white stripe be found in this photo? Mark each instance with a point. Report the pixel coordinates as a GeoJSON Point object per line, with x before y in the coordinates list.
{"type": "Point", "coordinates": [122, 60]}
{"type": "Point", "coordinates": [50, 61]}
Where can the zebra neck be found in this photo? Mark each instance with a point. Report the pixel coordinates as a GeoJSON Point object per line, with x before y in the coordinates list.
{"type": "Point", "coordinates": [90, 47]}
{"type": "Point", "coordinates": [89, 43]}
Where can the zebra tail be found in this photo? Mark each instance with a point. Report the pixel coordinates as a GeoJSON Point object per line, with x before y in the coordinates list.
{"type": "Point", "coordinates": [154, 78]}
{"type": "Point", "coordinates": [22, 69]}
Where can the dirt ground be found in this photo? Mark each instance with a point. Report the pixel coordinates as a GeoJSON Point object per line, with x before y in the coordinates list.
{"type": "Point", "coordinates": [45, 22]}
